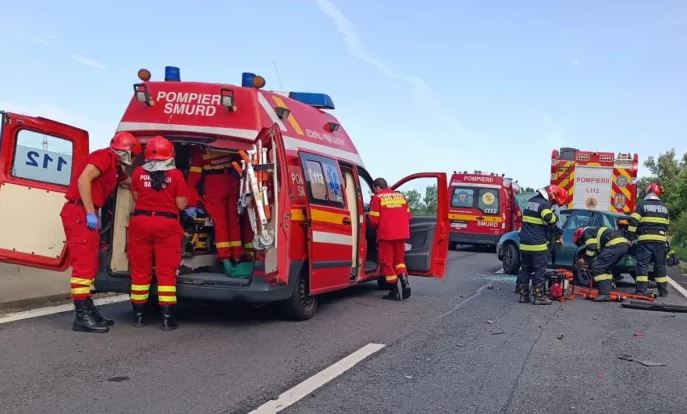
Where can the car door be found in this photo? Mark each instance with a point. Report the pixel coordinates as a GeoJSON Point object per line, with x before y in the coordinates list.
{"type": "Point", "coordinates": [427, 194]}
{"type": "Point", "coordinates": [330, 235]}
{"type": "Point", "coordinates": [37, 158]}
{"type": "Point", "coordinates": [565, 252]}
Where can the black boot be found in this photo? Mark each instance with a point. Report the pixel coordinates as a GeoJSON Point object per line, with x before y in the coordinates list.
{"type": "Point", "coordinates": [524, 291]}
{"type": "Point", "coordinates": [662, 289]}
{"type": "Point", "coordinates": [138, 315]}
{"type": "Point", "coordinates": [405, 286]}
{"type": "Point", "coordinates": [539, 297]}
{"type": "Point", "coordinates": [84, 320]}
{"type": "Point", "coordinates": [169, 322]}
{"type": "Point", "coordinates": [96, 314]}
{"type": "Point", "coordinates": [393, 293]}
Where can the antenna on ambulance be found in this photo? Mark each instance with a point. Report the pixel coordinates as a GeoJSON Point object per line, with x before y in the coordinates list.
{"type": "Point", "coordinates": [281, 88]}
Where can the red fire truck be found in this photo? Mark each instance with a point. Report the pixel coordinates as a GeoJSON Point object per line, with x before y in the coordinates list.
{"type": "Point", "coordinates": [308, 213]}
{"type": "Point", "coordinates": [596, 180]}
{"type": "Point", "coordinates": [482, 208]}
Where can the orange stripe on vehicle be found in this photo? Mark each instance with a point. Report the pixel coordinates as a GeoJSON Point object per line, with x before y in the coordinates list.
{"type": "Point", "coordinates": [472, 217]}
{"type": "Point", "coordinates": [326, 216]}
{"type": "Point", "coordinates": [292, 120]}
{"type": "Point", "coordinates": [297, 214]}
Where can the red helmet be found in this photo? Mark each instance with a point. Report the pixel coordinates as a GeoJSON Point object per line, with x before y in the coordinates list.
{"type": "Point", "coordinates": [158, 148]}
{"type": "Point", "coordinates": [557, 195]}
{"type": "Point", "coordinates": [125, 141]}
{"type": "Point", "coordinates": [655, 188]}
{"type": "Point", "coordinates": [577, 236]}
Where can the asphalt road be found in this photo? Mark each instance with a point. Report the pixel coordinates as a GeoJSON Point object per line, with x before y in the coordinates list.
{"type": "Point", "coordinates": [458, 345]}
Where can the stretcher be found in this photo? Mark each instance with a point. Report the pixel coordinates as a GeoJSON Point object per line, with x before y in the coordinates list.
{"type": "Point", "coordinates": [254, 195]}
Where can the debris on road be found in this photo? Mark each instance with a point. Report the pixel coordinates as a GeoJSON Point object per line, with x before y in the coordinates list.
{"type": "Point", "coordinates": [629, 358]}
{"type": "Point", "coordinates": [500, 330]}
{"type": "Point", "coordinates": [559, 337]}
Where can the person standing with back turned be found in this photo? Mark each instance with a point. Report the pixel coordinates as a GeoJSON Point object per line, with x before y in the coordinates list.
{"type": "Point", "coordinates": [537, 218]}
{"type": "Point", "coordinates": [390, 215]}
{"type": "Point", "coordinates": [88, 191]}
{"type": "Point", "coordinates": [155, 233]}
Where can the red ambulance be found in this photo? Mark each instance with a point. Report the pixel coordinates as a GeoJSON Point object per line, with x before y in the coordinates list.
{"type": "Point", "coordinates": [305, 191]}
{"type": "Point", "coordinates": [482, 208]}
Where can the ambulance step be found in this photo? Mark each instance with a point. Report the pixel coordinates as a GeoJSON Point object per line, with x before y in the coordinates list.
{"type": "Point", "coordinates": [211, 279]}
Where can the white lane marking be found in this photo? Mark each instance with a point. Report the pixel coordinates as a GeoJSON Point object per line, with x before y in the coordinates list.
{"type": "Point", "coordinates": [297, 393]}
{"type": "Point", "coordinates": [500, 271]}
{"type": "Point", "coordinates": [677, 287]}
{"type": "Point", "coordinates": [149, 126]}
{"type": "Point", "coordinates": [332, 238]}
{"type": "Point", "coordinates": [51, 310]}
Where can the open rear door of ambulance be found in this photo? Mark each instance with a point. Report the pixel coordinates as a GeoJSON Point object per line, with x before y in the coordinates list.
{"type": "Point", "coordinates": [37, 157]}
{"type": "Point", "coordinates": [276, 259]}
{"type": "Point", "coordinates": [427, 195]}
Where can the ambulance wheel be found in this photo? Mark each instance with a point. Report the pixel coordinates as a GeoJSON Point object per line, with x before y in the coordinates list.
{"type": "Point", "coordinates": [301, 305]}
{"type": "Point", "coordinates": [511, 259]}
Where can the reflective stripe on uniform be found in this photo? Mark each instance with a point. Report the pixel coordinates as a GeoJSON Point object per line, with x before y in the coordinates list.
{"type": "Point", "coordinates": [166, 288]}
{"type": "Point", "coordinates": [601, 278]}
{"type": "Point", "coordinates": [135, 296]}
{"type": "Point", "coordinates": [167, 299]}
{"type": "Point", "coordinates": [662, 279]}
{"type": "Point", "coordinates": [655, 220]}
{"type": "Point", "coordinates": [652, 237]}
{"type": "Point", "coordinates": [534, 247]}
{"type": "Point", "coordinates": [632, 229]}
{"type": "Point", "coordinates": [80, 281]}
{"type": "Point", "coordinates": [600, 233]}
{"type": "Point", "coordinates": [248, 245]}
{"type": "Point", "coordinates": [81, 290]}
{"type": "Point", "coordinates": [222, 245]}
{"type": "Point", "coordinates": [636, 216]}
{"type": "Point", "coordinates": [140, 287]}
{"type": "Point", "coordinates": [235, 243]}
{"type": "Point", "coordinates": [616, 241]}
{"type": "Point", "coordinates": [546, 212]}
{"type": "Point", "coordinates": [590, 242]}
{"type": "Point", "coordinates": [400, 266]}
{"type": "Point", "coordinates": [391, 279]}
{"type": "Point", "coordinates": [196, 170]}
{"type": "Point", "coordinates": [533, 220]}
{"type": "Point", "coordinates": [591, 253]}
{"type": "Point", "coordinates": [373, 213]}
{"type": "Point", "coordinates": [641, 279]}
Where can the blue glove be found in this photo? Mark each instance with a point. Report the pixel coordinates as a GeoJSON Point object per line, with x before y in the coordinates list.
{"type": "Point", "coordinates": [191, 212]}
{"type": "Point", "coordinates": [92, 221]}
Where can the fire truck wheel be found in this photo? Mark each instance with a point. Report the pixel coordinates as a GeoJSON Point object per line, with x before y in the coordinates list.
{"type": "Point", "coordinates": [511, 259]}
{"type": "Point", "coordinates": [300, 306]}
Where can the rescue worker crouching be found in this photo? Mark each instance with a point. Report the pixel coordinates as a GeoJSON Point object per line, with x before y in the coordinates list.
{"type": "Point", "coordinates": [537, 218]}
{"type": "Point", "coordinates": [221, 186]}
{"type": "Point", "coordinates": [604, 248]}
{"type": "Point", "coordinates": [390, 215]}
{"type": "Point", "coordinates": [88, 191]}
{"type": "Point", "coordinates": [155, 233]}
{"type": "Point", "coordinates": [649, 223]}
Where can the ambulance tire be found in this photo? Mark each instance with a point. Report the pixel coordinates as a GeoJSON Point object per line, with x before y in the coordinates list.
{"type": "Point", "coordinates": [511, 259]}
{"type": "Point", "coordinates": [300, 306]}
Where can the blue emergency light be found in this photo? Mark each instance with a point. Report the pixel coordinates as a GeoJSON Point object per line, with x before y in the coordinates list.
{"type": "Point", "coordinates": [172, 74]}
{"type": "Point", "coordinates": [317, 100]}
{"type": "Point", "coordinates": [247, 79]}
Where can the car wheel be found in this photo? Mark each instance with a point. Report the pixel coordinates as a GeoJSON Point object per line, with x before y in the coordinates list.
{"type": "Point", "coordinates": [511, 259]}
{"type": "Point", "coordinates": [301, 305]}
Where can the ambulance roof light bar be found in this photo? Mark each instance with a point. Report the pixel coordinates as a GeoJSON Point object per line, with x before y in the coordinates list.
{"type": "Point", "coordinates": [316, 100]}
{"type": "Point", "coordinates": [172, 74]}
{"type": "Point", "coordinates": [251, 80]}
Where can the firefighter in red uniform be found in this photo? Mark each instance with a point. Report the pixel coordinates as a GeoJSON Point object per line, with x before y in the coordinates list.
{"type": "Point", "coordinates": [155, 233]}
{"type": "Point", "coordinates": [390, 214]}
{"type": "Point", "coordinates": [88, 191]}
{"type": "Point", "coordinates": [221, 186]}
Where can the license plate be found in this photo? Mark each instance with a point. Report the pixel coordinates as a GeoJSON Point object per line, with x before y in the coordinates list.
{"type": "Point", "coordinates": [459, 225]}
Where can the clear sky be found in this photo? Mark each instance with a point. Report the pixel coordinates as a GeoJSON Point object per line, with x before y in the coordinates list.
{"type": "Point", "coordinates": [430, 85]}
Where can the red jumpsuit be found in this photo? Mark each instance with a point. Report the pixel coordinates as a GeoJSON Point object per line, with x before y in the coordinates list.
{"type": "Point", "coordinates": [83, 243]}
{"type": "Point", "coordinates": [390, 214]}
{"type": "Point", "coordinates": [155, 236]}
{"type": "Point", "coordinates": [220, 198]}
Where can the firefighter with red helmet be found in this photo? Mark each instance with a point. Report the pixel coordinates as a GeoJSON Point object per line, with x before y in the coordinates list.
{"type": "Point", "coordinates": [604, 248]}
{"type": "Point", "coordinates": [649, 223]}
{"type": "Point", "coordinates": [220, 190]}
{"type": "Point", "coordinates": [155, 235]}
{"type": "Point", "coordinates": [390, 215]}
{"type": "Point", "coordinates": [92, 184]}
{"type": "Point", "coordinates": [537, 219]}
